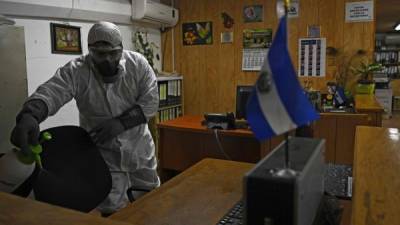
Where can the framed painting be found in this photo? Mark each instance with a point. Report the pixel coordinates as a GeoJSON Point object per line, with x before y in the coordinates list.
{"type": "Point", "coordinates": [253, 13]}
{"type": "Point", "coordinates": [65, 39]}
{"type": "Point", "coordinates": [198, 33]}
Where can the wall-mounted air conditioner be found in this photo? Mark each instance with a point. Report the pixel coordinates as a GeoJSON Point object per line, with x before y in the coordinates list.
{"type": "Point", "coordinates": [154, 12]}
{"type": "Point", "coordinates": [392, 39]}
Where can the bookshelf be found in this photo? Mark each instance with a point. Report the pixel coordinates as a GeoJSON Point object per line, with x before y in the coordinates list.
{"type": "Point", "coordinates": [387, 54]}
{"type": "Point", "coordinates": [170, 91]}
{"type": "Point", "coordinates": [390, 60]}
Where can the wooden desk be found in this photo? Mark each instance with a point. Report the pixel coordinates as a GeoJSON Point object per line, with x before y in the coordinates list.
{"type": "Point", "coordinates": [376, 173]}
{"type": "Point", "coordinates": [200, 195]}
{"type": "Point", "coordinates": [338, 129]}
{"type": "Point", "coordinates": [21, 211]}
{"type": "Point", "coordinates": [369, 105]}
{"type": "Point", "coordinates": [184, 142]}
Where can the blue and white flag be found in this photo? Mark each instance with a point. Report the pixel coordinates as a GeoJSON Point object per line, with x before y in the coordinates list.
{"type": "Point", "coordinates": [278, 103]}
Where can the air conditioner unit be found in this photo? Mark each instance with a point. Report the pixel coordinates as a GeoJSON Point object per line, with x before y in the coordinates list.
{"type": "Point", "coordinates": [154, 12]}
{"type": "Point", "coordinates": [392, 39]}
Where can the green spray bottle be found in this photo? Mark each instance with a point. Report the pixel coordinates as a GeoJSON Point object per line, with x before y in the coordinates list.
{"type": "Point", "coordinates": [34, 156]}
{"type": "Point", "coordinates": [16, 167]}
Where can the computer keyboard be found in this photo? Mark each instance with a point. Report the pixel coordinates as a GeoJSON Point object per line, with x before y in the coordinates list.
{"type": "Point", "coordinates": [338, 180]}
{"type": "Point", "coordinates": [234, 216]}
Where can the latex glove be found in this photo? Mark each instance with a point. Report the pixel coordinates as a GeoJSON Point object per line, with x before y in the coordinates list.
{"type": "Point", "coordinates": [107, 130]}
{"type": "Point", "coordinates": [25, 133]}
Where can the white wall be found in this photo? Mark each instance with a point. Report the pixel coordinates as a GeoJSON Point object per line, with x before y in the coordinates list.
{"type": "Point", "coordinates": [42, 64]}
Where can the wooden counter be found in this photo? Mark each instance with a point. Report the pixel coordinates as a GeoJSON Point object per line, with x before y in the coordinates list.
{"type": "Point", "coordinates": [338, 130]}
{"type": "Point", "coordinates": [376, 173]}
{"type": "Point", "coordinates": [21, 211]}
{"type": "Point", "coordinates": [200, 195]}
{"type": "Point", "coordinates": [369, 105]}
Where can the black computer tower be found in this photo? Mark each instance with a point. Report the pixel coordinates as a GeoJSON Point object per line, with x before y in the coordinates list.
{"type": "Point", "coordinates": [273, 199]}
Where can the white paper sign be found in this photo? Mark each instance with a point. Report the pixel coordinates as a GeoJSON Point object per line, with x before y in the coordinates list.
{"type": "Point", "coordinates": [293, 11]}
{"type": "Point", "coordinates": [312, 57]}
{"type": "Point", "coordinates": [359, 11]}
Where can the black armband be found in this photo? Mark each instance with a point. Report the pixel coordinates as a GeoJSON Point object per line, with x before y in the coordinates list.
{"type": "Point", "coordinates": [132, 117]}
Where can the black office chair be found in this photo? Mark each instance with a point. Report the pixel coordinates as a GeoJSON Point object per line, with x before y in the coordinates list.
{"type": "Point", "coordinates": [75, 174]}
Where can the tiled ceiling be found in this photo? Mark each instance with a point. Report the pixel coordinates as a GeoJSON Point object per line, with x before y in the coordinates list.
{"type": "Point", "coordinates": [387, 14]}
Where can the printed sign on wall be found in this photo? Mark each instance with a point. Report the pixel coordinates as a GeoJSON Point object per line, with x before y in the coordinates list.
{"type": "Point", "coordinates": [293, 11]}
{"type": "Point", "coordinates": [359, 11]}
{"type": "Point", "coordinates": [312, 56]}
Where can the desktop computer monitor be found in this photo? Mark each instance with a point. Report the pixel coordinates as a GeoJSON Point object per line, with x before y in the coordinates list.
{"type": "Point", "coordinates": [242, 95]}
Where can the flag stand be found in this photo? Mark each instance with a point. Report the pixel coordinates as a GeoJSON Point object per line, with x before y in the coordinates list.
{"type": "Point", "coordinates": [286, 171]}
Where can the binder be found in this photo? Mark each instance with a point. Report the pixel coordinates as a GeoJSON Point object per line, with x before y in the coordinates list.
{"type": "Point", "coordinates": [170, 96]}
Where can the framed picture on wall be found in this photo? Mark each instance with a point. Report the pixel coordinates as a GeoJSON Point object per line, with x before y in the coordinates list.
{"type": "Point", "coordinates": [65, 39]}
{"type": "Point", "coordinates": [198, 33]}
{"type": "Point", "coordinates": [253, 13]}
{"type": "Point", "coordinates": [313, 31]}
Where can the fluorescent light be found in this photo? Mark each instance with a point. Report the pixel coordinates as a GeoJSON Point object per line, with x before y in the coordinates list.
{"type": "Point", "coordinates": [397, 27]}
{"type": "Point", "coordinates": [393, 130]}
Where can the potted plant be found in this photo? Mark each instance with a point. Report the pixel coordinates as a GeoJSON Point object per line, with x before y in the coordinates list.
{"type": "Point", "coordinates": [343, 74]}
{"type": "Point", "coordinates": [366, 84]}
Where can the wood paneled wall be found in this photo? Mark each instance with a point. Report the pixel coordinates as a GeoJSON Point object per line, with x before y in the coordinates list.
{"type": "Point", "coordinates": [212, 72]}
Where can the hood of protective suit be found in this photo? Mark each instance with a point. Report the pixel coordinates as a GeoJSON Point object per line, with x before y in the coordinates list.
{"type": "Point", "coordinates": [105, 49]}
{"type": "Point", "coordinates": [105, 32]}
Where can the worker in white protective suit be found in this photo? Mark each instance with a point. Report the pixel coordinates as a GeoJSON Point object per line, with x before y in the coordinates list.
{"type": "Point", "coordinates": [116, 94]}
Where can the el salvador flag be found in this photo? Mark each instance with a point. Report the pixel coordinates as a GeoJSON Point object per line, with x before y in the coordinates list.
{"type": "Point", "coordinates": [278, 103]}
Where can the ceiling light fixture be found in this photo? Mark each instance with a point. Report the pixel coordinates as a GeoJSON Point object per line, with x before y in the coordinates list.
{"type": "Point", "coordinates": [397, 27]}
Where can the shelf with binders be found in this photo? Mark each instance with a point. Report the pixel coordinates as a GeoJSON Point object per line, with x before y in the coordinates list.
{"type": "Point", "coordinates": [170, 94]}
{"type": "Point", "coordinates": [387, 57]}
{"type": "Point", "coordinates": [390, 60]}
{"type": "Point", "coordinates": [392, 71]}
{"type": "Point", "coordinates": [169, 113]}
{"type": "Point", "coordinates": [388, 50]}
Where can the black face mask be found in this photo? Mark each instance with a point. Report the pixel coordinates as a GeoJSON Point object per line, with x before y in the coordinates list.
{"type": "Point", "coordinates": [107, 68]}
{"type": "Point", "coordinates": [106, 62]}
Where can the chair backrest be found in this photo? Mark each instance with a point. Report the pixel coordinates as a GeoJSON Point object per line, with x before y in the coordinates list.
{"type": "Point", "coordinates": [75, 174]}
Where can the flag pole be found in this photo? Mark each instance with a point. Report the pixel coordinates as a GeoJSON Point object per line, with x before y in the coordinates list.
{"type": "Point", "coordinates": [286, 171]}
{"type": "Point", "coordinates": [287, 5]}
{"type": "Point", "coordinates": [287, 159]}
